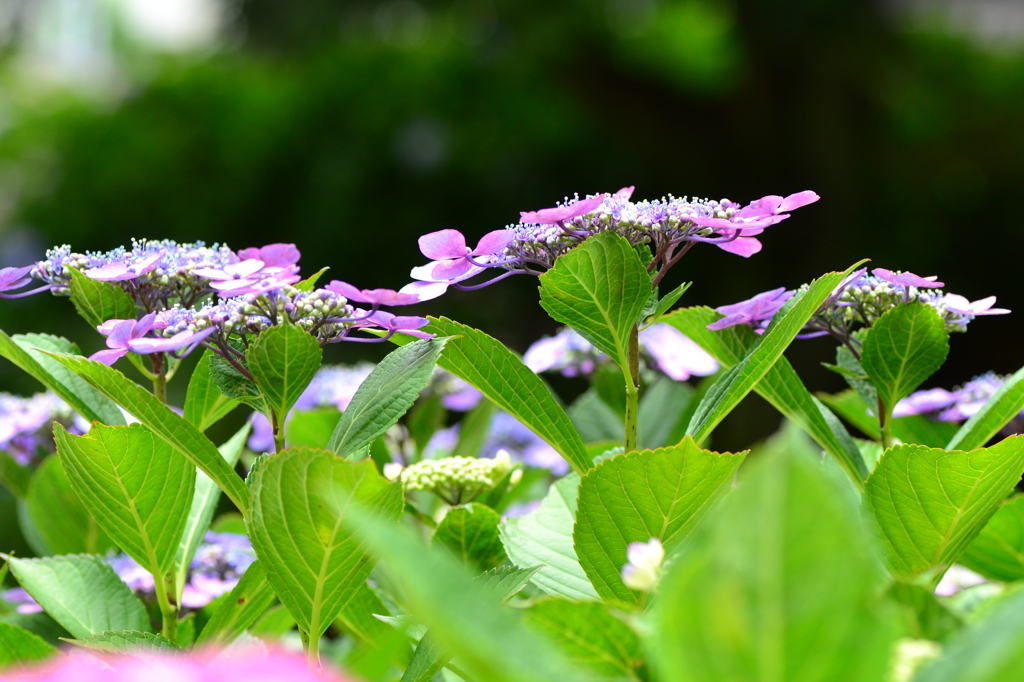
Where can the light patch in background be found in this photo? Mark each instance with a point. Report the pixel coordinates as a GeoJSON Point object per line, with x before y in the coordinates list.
{"type": "Point", "coordinates": [173, 25]}
{"type": "Point", "coordinates": [20, 246]}
{"type": "Point", "coordinates": [402, 23]}
{"type": "Point", "coordinates": [996, 25]}
{"type": "Point", "coordinates": [421, 145]}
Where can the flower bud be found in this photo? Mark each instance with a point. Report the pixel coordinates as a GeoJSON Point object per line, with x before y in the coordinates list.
{"type": "Point", "coordinates": [644, 567]}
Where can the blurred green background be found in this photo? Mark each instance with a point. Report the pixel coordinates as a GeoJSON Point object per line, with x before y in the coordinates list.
{"type": "Point", "coordinates": [350, 128]}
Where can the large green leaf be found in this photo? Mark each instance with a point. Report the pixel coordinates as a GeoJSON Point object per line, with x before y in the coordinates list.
{"type": "Point", "coordinates": [470, 533]}
{"type": "Point", "coordinates": [63, 523]}
{"type": "Point", "coordinates": [385, 395]}
{"type": "Point", "coordinates": [312, 428]}
{"type": "Point", "coordinates": [781, 385]}
{"type": "Point", "coordinates": [904, 347]}
{"type": "Point", "coordinates": [205, 404]}
{"type": "Point", "coordinates": [14, 476]}
{"type": "Point", "coordinates": [18, 646]}
{"type": "Point", "coordinates": [473, 429]}
{"type": "Point", "coordinates": [661, 493]}
{"type": "Point", "coordinates": [998, 551]}
{"type": "Point", "coordinates": [464, 614]}
{"type": "Point", "coordinates": [996, 413]}
{"type": "Point", "coordinates": [930, 503]}
{"type": "Point", "coordinates": [301, 498]}
{"type": "Point", "coordinates": [162, 421]}
{"type": "Point", "coordinates": [762, 355]}
{"type": "Point", "coordinates": [543, 538]}
{"type": "Point", "coordinates": [242, 607]}
{"type": "Point", "coordinates": [97, 301]}
{"type": "Point", "coordinates": [83, 398]}
{"type": "Point", "coordinates": [430, 656]}
{"type": "Point", "coordinates": [599, 289]}
{"type": "Point", "coordinates": [779, 585]}
{"type": "Point", "coordinates": [594, 420]}
{"type": "Point", "coordinates": [590, 636]}
{"type": "Point", "coordinates": [82, 593]}
{"type": "Point", "coordinates": [135, 486]}
{"type": "Point", "coordinates": [204, 504]}
{"type": "Point", "coordinates": [283, 360]}
{"type": "Point", "coordinates": [491, 368]}
{"type": "Point", "coordinates": [993, 651]}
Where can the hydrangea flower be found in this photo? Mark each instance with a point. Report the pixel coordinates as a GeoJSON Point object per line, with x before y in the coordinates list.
{"type": "Point", "coordinates": [670, 226]}
{"type": "Point", "coordinates": [456, 480]}
{"type": "Point", "coordinates": [130, 335]}
{"type": "Point", "coordinates": [16, 278]}
{"type": "Point", "coordinates": [858, 302]}
{"type": "Point", "coordinates": [247, 664]}
{"type": "Point", "coordinates": [642, 571]}
{"type": "Point", "coordinates": [26, 425]}
{"type": "Point", "coordinates": [662, 347]}
{"type": "Point", "coordinates": [958, 405]}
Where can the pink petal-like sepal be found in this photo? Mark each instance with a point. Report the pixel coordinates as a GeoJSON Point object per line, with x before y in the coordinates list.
{"type": "Point", "coordinates": [552, 216]}
{"type": "Point", "coordinates": [121, 271]}
{"type": "Point", "coordinates": [109, 356]}
{"type": "Point", "coordinates": [443, 244]}
{"type": "Point", "coordinates": [493, 242]}
{"type": "Point", "coordinates": [907, 279]}
{"type": "Point", "coordinates": [743, 246]}
{"type": "Point", "coordinates": [798, 200]}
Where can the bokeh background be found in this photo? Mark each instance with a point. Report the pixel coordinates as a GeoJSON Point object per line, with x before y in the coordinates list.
{"type": "Point", "coordinates": [350, 128]}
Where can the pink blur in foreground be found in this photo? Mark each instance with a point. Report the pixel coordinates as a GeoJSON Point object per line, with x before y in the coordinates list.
{"type": "Point", "coordinates": [245, 665]}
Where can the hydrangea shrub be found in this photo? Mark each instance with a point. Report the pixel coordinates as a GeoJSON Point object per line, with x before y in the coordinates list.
{"type": "Point", "coordinates": [443, 515]}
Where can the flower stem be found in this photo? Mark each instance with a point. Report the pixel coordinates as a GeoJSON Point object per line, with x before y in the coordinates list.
{"type": "Point", "coordinates": [278, 431]}
{"type": "Point", "coordinates": [168, 611]}
{"type": "Point", "coordinates": [159, 377]}
{"type": "Point", "coordinates": [312, 647]}
{"type": "Point", "coordinates": [632, 389]}
{"type": "Point", "coordinates": [885, 424]}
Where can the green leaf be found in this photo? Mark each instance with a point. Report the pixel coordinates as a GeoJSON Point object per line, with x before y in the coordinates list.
{"type": "Point", "coordinates": [430, 657]}
{"type": "Point", "coordinates": [83, 398]}
{"type": "Point", "coordinates": [470, 533]}
{"type": "Point", "coordinates": [205, 404]}
{"type": "Point", "coordinates": [283, 360]}
{"type": "Point", "coordinates": [14, 476]}
{"type": "Point", "coordinates": [641, 495]}
{"type": "Point", "coordinates": [424, 420]}
{"type": "Point", "coordinates": [661, 407]}
{"type": "Point", "coordinates": [544, 538]}
{"type": "Point", "coordinates": [162, 421]}
{"type": "Point", "coordinates": [98, 302]}
{"type": "Point", "coordinates": [923, 431]}
{"type": "Point", "coordinates": [855, 375]}
{"type": "Point", "coordinates": [60, 518]}
{"type": "Point", "coordinates": [924, 616]}
{"type": "Point", "coordinates": [594, 420]}
{"type": "Point", "coordinates": [599, 289]}
{"type": "Point", "coordinates": [464, 615]}
{"type": "Point", "coordinates": [781, 385]}
{"type": "Point", "coordinates": [849, 405]}
{"type": "Point", "coordinates": [779, 585]}
{"type": "Point", "coordinates": [742, 377]}
{"type": "Point", "coordinates": [930, 503]}
{"type": "Point", "coordinates": [242, 607]}
{"type": "Point", "coordinates": [82, 593]}
{"type": "Point", "coordinates": [996, 413]}
{"type": "Point", "coordinates": [309, 283]}
{"type": "Point", "coordinates": [992, 651]}
{"type": "Point", "coordinates": [669, 300]}
{"type": "Point", "coordinates": [235, 385]}
{"type": "Point", "coordinates": [135, 486]}
{"type": "Point", "coordinates": [473, 429]}
{"type": "Point", "coordinates": [998, 551]}
{"type": "Point", "coordinates": [18, 646]}
{"type": "Point", "coordinates": [127, 642]}
{"type": "Point", "coordinates": [301, 498]}
{"type": "Point", "coordinates": [591, 637]}
{"type": "Point", "coordinates": [486, 365]}
{"type": "Point", "coordinates": [311, 428]}
{"type": "Point", "coordinates": [204, 504]}
{"type": "Point", "coordinates": [357, 618]}
{"type": "Point", "coordinates": [385, 395]}
{"type": "Point", "coordinates": [904, 347]}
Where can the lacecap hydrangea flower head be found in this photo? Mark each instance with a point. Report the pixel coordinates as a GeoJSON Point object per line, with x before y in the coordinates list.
{"type": "Point", "coordinates": [669, 227]}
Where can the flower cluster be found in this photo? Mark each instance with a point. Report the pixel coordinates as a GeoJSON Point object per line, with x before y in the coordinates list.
{"type": "Point", "coordinates": [858, 302]}
{"type": "Point", "coordinates": [26, 425]}
{"type": "Point", "coordinates": [669, 226]}
{"type": "Point", "coordinates": [456, 480]}
{"type": "Point", "coordinates": [662, 347]}
{"type": "Point", "coordinates": [958, 405]}
{"type": "Point", "coordinates": [215, 569]}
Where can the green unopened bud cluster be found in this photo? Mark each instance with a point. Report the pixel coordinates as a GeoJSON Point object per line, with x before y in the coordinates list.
{"type": "Point", "coordinates": [456, 480]}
